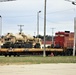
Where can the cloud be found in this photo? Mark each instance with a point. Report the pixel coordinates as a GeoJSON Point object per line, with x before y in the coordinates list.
{"type": "Point", "coordinates": [60, 13]}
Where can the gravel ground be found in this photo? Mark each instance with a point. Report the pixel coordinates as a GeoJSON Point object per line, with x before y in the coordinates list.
{"type": "Point", "coordinates": [38, 69]}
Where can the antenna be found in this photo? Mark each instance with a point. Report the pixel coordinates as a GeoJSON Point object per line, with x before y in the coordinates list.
{"type": "Point", "coordinates": [20, 28]}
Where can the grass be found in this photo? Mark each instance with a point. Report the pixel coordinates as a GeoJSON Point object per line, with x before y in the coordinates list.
{"type": "Point", "coordinates": [37, 60]}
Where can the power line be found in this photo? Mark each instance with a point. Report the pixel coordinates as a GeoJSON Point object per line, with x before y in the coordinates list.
{"type": "Point", "coordinates": [61, 11]}
{"type": "Point", "coordinates": [35, 15]}
{"type": "Point", "coordinates": [18, 16]}
{"type": "Point", "coordinates": [52, 21]}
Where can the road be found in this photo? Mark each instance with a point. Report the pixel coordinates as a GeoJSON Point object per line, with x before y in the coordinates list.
{"type": "Point", "coordinates": [38, 69]}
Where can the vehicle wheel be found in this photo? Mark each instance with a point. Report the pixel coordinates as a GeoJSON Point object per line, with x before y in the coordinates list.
{"type": "Point", "coordinates": [6, 55]}
{"type": "Point", "coordinates": [9, 55]}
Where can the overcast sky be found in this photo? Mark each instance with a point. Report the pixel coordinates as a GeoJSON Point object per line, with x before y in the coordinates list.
{"type": "Point", "coordinates": [60, 15]}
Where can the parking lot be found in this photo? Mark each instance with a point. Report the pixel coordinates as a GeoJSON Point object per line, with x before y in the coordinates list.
{"type": "Point", "coordinates": [38, 69]}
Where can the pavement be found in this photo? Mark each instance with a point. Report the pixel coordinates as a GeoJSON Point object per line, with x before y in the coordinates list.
{"type": "Point", "coordinates": [39, 69]}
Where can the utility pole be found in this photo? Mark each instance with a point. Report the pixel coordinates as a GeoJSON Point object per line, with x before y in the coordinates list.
{"type": "Point", "coordinates": [34, 33]}
{"type": "Point", "coordinates": [38, 22]}
{"type": "Point", "coordinates": [44, 51]}
{"type": "Point", "coordinates": [0, 25]}
{"type": "Point", "coordinates": [0, 29]}
{"type": "Point", "coordinates": [20, 28]}
{"type": "Point", "coordinates": [52, 35]}
{"type": "Point", "coordinates": [74, 47]}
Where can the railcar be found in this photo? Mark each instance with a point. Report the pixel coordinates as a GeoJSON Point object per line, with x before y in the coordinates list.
{"type": "Point", "coordinates": [65, 40]}
{"type": "Point", "coordinates": [21, 44]}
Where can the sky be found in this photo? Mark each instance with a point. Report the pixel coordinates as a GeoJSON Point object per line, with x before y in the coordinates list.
{"type": "Point", "coordinates": [59, 15]}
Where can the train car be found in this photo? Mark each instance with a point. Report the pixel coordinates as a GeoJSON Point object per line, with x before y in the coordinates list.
{"type": "Point", "coordinates": [21, 44]}
{"type": "Point", "coordinates": [65, 40]}
{"type": "Point", "coordinates": [17, 44]}
{"type": "Point", "coordinates": [59, 39]}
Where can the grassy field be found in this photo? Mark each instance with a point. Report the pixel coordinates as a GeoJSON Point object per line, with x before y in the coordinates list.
{"type": "Point", "coordinates": [36, 60]}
